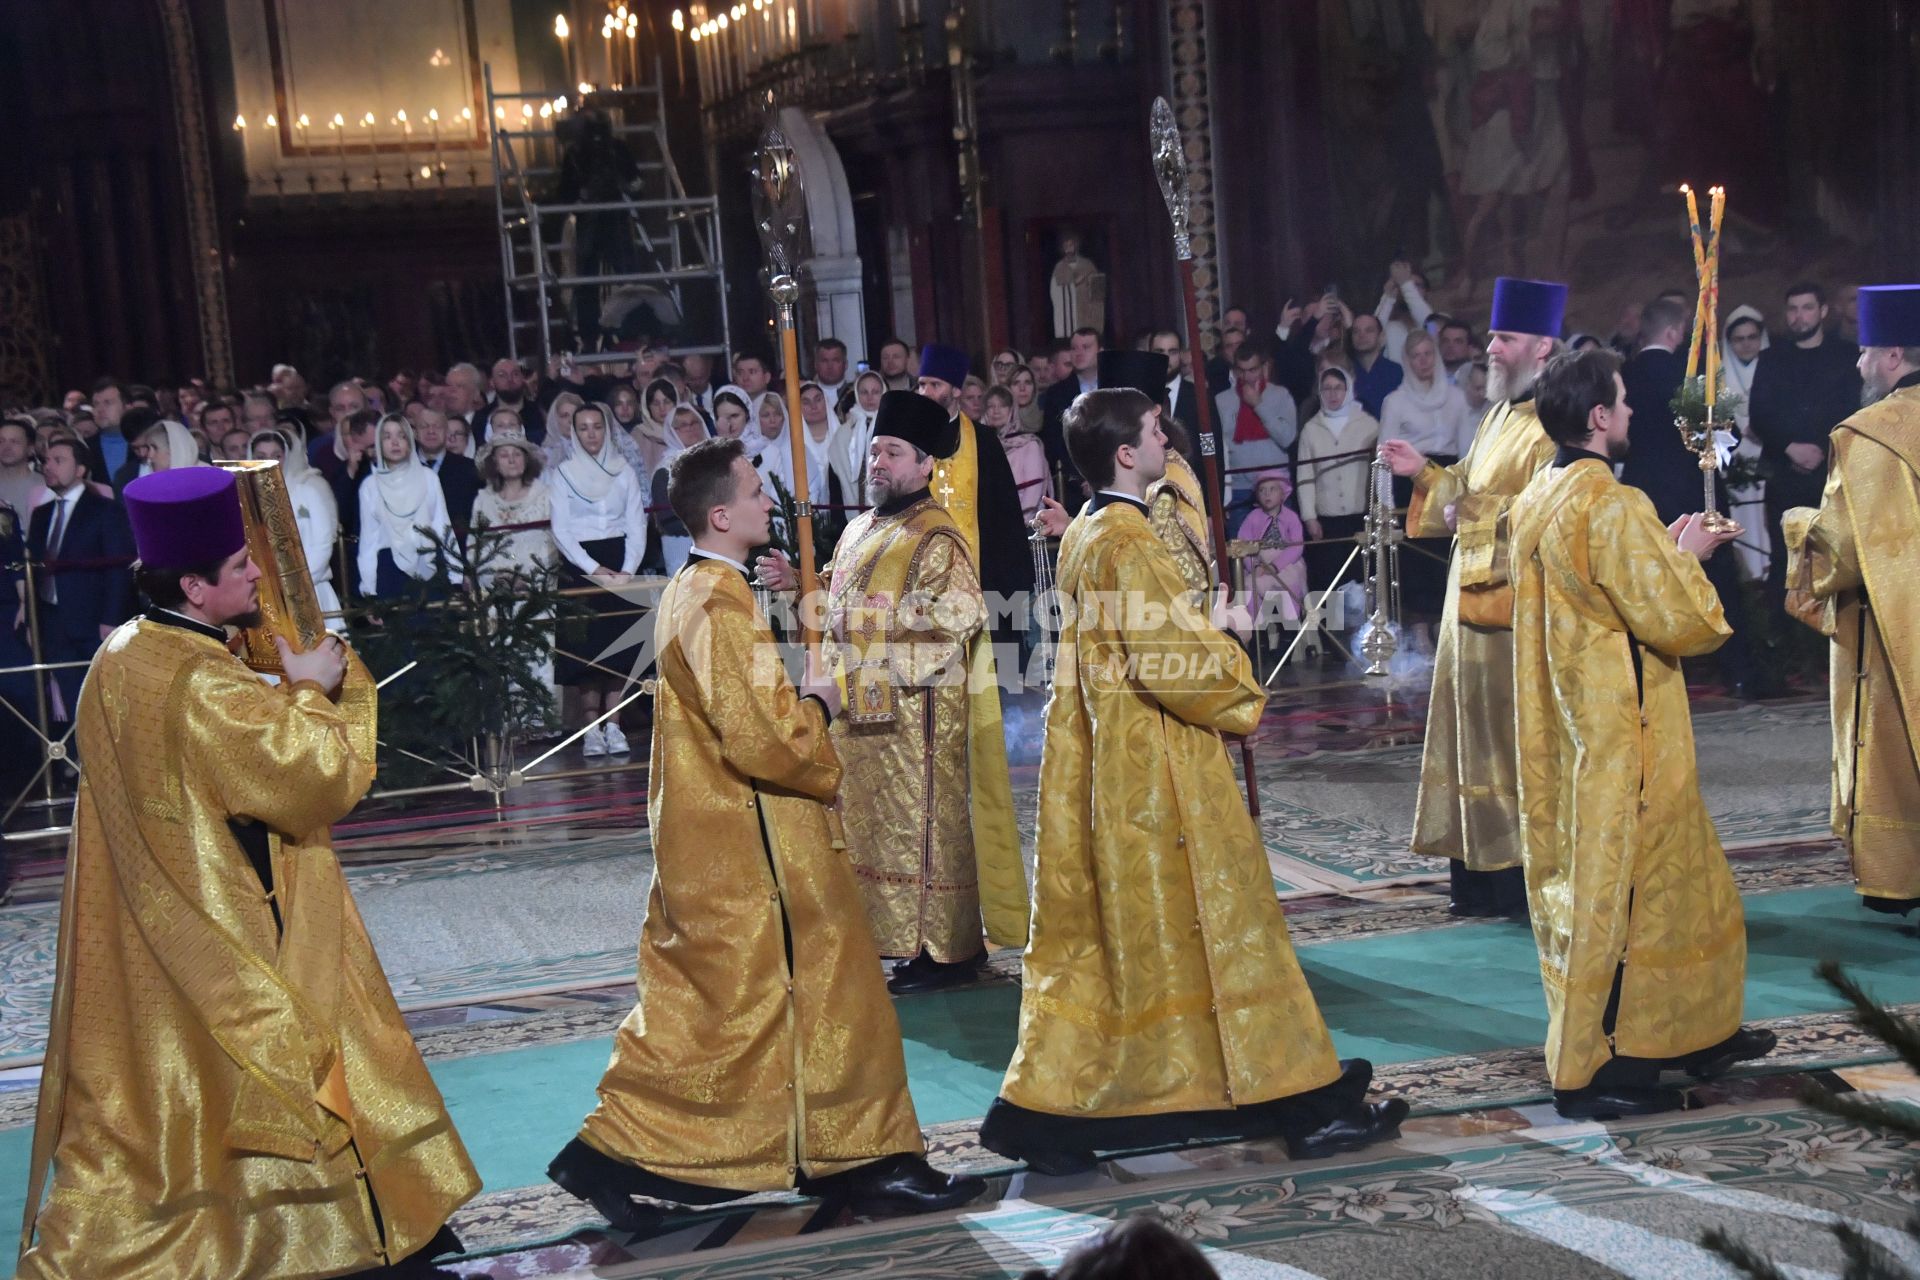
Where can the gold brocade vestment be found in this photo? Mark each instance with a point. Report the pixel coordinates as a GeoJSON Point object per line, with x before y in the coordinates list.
{"type": "Point", "coordinates": [1468, 807]}
{"type": "Point", "coordinates": [739, 1068]}
{"type": "Point", "coordinates": [1178, 515]}
{"type": "Point", "coordinates": [1623, 865]}
{"type": "Point", "coordinates": [220, 1095]}
{"type": "Point", "coordinates": [905, 611]}
{"type": "Point", "coordinates": [1852, 574]}
{"type": "Point", "coordinates": [1160, 976]}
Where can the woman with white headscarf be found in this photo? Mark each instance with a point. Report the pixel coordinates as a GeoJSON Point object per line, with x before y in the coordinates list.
{"type": "Point", "coordinates": [867, 390]}
{"type": "Point", "coordinates": [1743, 338]}
{"type": "Point", "coordinates": [774, 452]}
{"type": "Point", "coordinates": [1430, 413]}
{"type": "Point", "coordinates": [1336, 455]}
{"type": "Point", "coordinates": [686, 428]}
{"type": "Point", "coordinates": [600, 525]}
{"type": "Point", "coordinates": [315, 512]}
{"type": "Point", "coordinates": [169, 446]}
{"type": "Point", "coordinates": [559, 441]}
{"type": "Point", "coordinates": [734, 419]}
{"type": "Point", "coordinates": [402, 510]}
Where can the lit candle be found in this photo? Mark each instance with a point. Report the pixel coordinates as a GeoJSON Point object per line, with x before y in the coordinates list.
{"type": "Point", "coordinates": [1699, 276]}
{"type": "Point", "coordinates": [1713, 298]}
{"type": "Point", "coordinates": [679, 50]}
{"type": "Point", "coordinates": [561, 31]}
{"type": "Point", "coordinates": [301, 126]}
{"type": "Point", "coordinates": [373, 146]}
{"type": "Point", "coordinates": [339, 126]}
{"type": "Point", "coordinates": [406, 143]}
{"type": "Point", "coordinates": [433, 118]}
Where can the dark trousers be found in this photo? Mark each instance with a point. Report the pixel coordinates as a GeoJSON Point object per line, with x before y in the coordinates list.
{"type": "Point", "coordinates": [1325, 560]}
{"type": "Point", "coordinates": [1736, 655]}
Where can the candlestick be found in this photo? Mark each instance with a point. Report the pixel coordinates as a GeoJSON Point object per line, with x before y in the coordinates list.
{"type": "Point", "coordinates": [406, 144]}
{"type": "Point", "coordinates": [1719, 195]}
{"type": "Point", "coordinates": [439, 166]}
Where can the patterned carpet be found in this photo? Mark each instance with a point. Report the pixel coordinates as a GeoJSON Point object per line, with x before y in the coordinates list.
{"type": "Point", "coordinates": [543, 910]}
{"type": "Point", "coordinates": [1532, 1199]}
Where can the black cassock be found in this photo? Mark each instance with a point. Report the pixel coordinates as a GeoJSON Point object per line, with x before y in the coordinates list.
{"type": "Point", "coordinates": [1006, 556]}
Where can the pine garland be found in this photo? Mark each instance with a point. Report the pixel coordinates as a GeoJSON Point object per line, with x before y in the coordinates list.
{"type": "Point", "coordinates": [1865, 1259]}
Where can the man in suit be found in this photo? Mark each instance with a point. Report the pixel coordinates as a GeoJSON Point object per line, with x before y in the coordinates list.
{"type": "Point", "coordinates": [466, 399]}
{"type": "Point", "coordinates": [459, 478]}
{"type": "Point", "coordinates": [1802, 390]}
{"type": "Point", "coordinates": [76, 607]}
{"type": "Point", "coordinates": [1083, 349]}
{"type": "Point", "coordinates": [1661, 466]}
{"type": "Point", "coordinates": [1182, 400]}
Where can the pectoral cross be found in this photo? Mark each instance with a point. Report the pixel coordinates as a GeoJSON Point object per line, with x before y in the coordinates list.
{"type": "Point", "coordinates": [945, 489]}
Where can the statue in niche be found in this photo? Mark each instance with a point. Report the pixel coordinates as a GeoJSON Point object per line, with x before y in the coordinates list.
{"type": "Point", "coordinates": [1079, 290]}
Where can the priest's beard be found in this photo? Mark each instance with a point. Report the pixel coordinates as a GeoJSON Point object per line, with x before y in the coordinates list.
{"type": "Point", "coordinates": [1619, 449]}
{"type": "Point", "coordinates": [1502, 385]}
{"type": "Point", "coordinates": [882, 490]}
{"type": "Point", "coordinates": [251, 618]}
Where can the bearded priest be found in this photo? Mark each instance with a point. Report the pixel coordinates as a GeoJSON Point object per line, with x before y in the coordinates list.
{"type": "Point", "coordinates": [1468, 805]}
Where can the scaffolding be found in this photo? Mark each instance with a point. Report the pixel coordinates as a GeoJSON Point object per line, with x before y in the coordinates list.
{"type": "Point", "coordinates": [673, 264]}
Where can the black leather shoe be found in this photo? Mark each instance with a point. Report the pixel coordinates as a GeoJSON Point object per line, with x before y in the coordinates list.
{"type": "Point", "coordinates": [611, 1203]}
{"type": "Point", "coordinates": [923, 973]}
{"type": "Point", "coordinates": [1365, 1125]}
{"type": "Point", "coordinates": [1612, 1103]}
{"type": "Point", "coordinates": [1744, 1045]}
{"type": "Point", "coordinates": [905, 1184]}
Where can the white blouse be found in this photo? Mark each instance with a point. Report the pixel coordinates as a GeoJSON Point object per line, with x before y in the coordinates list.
{"type": "Point", "coordinates": [412, 556]}
{"type": "Point", "coordinates": [621, 513]}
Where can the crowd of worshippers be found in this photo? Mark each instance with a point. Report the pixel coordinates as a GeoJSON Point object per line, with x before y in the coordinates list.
{"type": "Point", "coordinates": [575, 468]}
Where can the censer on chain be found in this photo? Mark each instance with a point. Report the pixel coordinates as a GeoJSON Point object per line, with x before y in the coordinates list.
{"type": "Point", "coordinates": [1382, 561]}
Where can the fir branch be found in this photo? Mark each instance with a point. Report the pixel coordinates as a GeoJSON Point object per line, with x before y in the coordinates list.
{"type": "Point", "coordinates": [1887, 1117]}
{"type": "Point", "coordinates": [1865, 1259]}
{"type": "Point", "coordinates": [1739, 1256]}
{"type": "Point", "coordinates": [1901, 1036]}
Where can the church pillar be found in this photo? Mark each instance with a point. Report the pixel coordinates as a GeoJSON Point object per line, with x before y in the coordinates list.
{"type": "Point", "coordinates": [831, 271]}
{"type": "Point", "coordinates": [1192, 102]}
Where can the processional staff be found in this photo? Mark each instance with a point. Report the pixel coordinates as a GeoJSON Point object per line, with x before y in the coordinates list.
{"type": "Point", "coordinates": [1170, 164]}
{"type": "Point", "coordinates": [779, 207]}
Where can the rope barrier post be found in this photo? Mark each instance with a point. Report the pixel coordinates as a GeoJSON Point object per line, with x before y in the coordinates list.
{"type": "Point", "coordinates": [43, 713]}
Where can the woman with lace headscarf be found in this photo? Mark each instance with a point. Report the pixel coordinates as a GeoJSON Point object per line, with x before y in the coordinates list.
{"type": "Point", "coordinates": [168, 446]}
{"type": "Point", "coordinates": [867, 390]}
{"type": "Point", "coordinates": [1430, 413]}
{"type": "Point", "coordinates": [1743, 338]}
{"type": "Point", "coordinates": [686, 428]}
{"type": "Point", "coordinates": [315, 512]}
{"type": "Point", "coordinates": [559, 441]}
{"type": "Point", "coordinates": [600, 525]}
{"type": "Point", "coordinates": [650, 427]}
{"type": "Point", "coordinates": [402, 509]}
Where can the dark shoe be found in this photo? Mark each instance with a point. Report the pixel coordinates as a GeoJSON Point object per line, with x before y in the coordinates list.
{"type": "Point", "coordinates": [1367, 1124]}
{"type": "Point", "coordinates": [923, 973]}
{"type": "Point", "coordinates": [1744, 1045]}
{"type": "Point", "coordinates": [1612, 1103]}
{"type": "Point", "coordinates": [609, 1201]}
{"type": "Point", "coordinates": [905, 1184]}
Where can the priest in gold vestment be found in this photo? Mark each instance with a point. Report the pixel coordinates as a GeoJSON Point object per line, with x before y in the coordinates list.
{"type": "Point", "coordinates": [905, 614]}
{"type": "Point", "coordinates": [1468, 806]}
{"type": "Point", "coordinates": [1642, 942]}
{"type": "Point", "coordinates": [1850, 574]}
{"type": "Point", "coordinates": [763, 1053]}
{"type": "Point", "coordinates": [1162, 1000]}
{"type": "Point", "coordinates": [229, 1089]}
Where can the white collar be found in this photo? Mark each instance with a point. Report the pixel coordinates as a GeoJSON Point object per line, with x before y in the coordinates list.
{"type": "Point", "coordinates": [704, 554]}
{"type": "Point", "coordinates": [1124, 496]}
